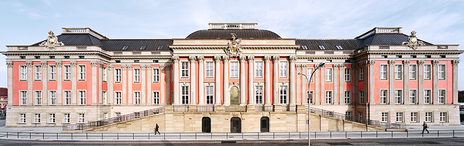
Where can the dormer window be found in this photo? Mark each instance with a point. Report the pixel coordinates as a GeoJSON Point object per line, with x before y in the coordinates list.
{"type": "Point", "coordinates": [143, 47]}
{"type": "Point", "coordinates": [339, 47]}
{"type": "Point", "coordinates": [304, 47]}
{"type": "Point", "coordinates": [160, 47]}
{"type": "Point", "coordinates": [322, 47]}
{"type": "Point", "coordinates": [125, 47]}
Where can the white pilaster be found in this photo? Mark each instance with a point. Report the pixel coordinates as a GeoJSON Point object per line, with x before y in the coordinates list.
{"type": "Point", "coordinates": [267, 79]}
{"type": "Point", "coordinates": [162, 83]}
{"type": "Point", "coordinates": [391, 64]}
{"type": "Point", "coordinates": [130, 75]}
{"type": "Point", "coordinates": [144, 81]}
{"type": "Point", "coordinates": [201, 76]}
{"type": "Point", "coordinates": [73, 82]}
{"type": "Point", "coordinates": [292, 80]}
{"type": "Point", "coordinates": [251, 99]}
{"type": "Point", "coordinates": [9, 64]}
{"type": "Point", "coordinates": [149, 81]}
{"type": "Point", "coordinates": [226, 80]}
{"type": "Point", "coordinates": [298, 85]}
{"type": "Point", "coordinates": [100, 80]}
{"type": "Point", "coordinates": [59, 83]}
{"type": "Point", "coordinates": [110, 84]}
{"type": "Point", "coordinates": [242, 80]}
{"type": "Point", "coordinates": [175, 60]}
{"type": "Point", "coordinates": [455, 81]}
{"type": "Point", "coordinates": [94, 82]}
{"type": "Point", "coordinates": [336, 81]}
{"type": "Point", "coordinates": [435, 81]}
{"type": "Point", "coordinates": [420, 78]}
{"type": "Point", "coordinates": [192, 80]}
{"type": "Point", "coordinates": [322, 93]}
{"type": "Point", "coordinates": [371, 82]}
{"type": "Point", "coordinates": [406, 82]}
{"type": "Point", "coordinates": [45, 97]}
{"type": "Point", "coordinates": [341, 70]}
{"type": "Point", "coordinates": [275, 80]}
{"type": "Point", "coordinates": [124, 83]}
{"type": "Point", "coordinates": [217, 60]}
{"type": "Point", "coordinates": [30, 79]}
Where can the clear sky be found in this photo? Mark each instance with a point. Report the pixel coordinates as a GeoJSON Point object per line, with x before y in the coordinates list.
{"type": "Point", "coordinates": [28, 21]}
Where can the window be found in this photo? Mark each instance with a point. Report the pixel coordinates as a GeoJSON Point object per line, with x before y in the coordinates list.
{"type": "Point", "coordinates": [23, 95]}
{"type": "Point", "coordinates": [399, 56]}
{"type": "Point", "coordinates": [310, 97]}
{"type": "Point", "coordinates": [104, 74]}
{"type": "Point", "coordinates": [441, 71]}
{"type": "Point", "coordinates": [118, 97]}
{"type": "Point", "coordinates": [22, 57]}
{"type": "Point", "coordinates": [361, 97]}
{"type": "Point", "coordinates": [66, 118]}
{"type": "Point", "coordinates": [38, 97]}
{"type": "Point", "coordinates": [347, 74]}
{"type": "Point", "coordinates": [234, 69]}
{"type": "Point", "coordinates": [412, 72]}
{"type": "Point", "coordinates": [383, 96]}
{"type": "Point", "coordinates": [80, 118]}
{"type": "Point", "coordinates": [22, 118]}
{"type": "Point", "coordinates": [413, 56]}
{"type": "Point", "coordinates": [259, 94]}
{"type": "Point", "coordinates": [82, 98]}
{"type": "Point", "coordinates": [384, 56]}
{"type": "Point", "coordinates": [427, 72]}
{"type": "Point", "coordinates": [384, 116]}
{"type": "Point", "coordinates": [428, 56]}
{"type": "Point", "coordinates": [155, 61]}
{"type": "Point", "coordinates": [209, 94]}
{"type": "Point", "coordinates": [185, 69]}
{"type": "Point", "coordinates": [328, 97]}
{"type": "Point", "coordinates": [441, 96]}
{"type": "Point", "coordinates": [283, 69]}
{"type": "Point", "coordinates": [156, 97]}
{"type": "Point", "coordinates": [412, 96]}
{"type": "Point", "coordinates": [104, 97]}
{"type": "Point", "coordinates": [322, 47]}
{"type": "Point", "coordinates": [348, 116]}
{"type": "Point", "coordinates": [105, 115]}
{"type": "Point", "coordinates": [125, 47]}
{"type": "Point", "coordinates": [81, 57]}
{"type": "Point", "coordinates": [52, 95]}
{"type": "Point", "coordinates": [413, 116]}
{"type": "Point", "coordinates": [117, 75]}
{"type": "Point", "coordinates": [309, 72]}
{"type": "Point", "coordinates": [66, 57]}
{"type": "Point", "coordinates": [399, 116]}
{"type": "Point", "coordinates": [443, 116]}
{"type": "Point", "coordinates": [360, 117]}
{"type": "Point", "coordinates": [81, 72]}
{"type": "Point", "coordinates": [185, 94]}
{"type": "Point", "coordinates": [427, 94]}
{"type": "Point", "coordinates": [160, 47]}
{"type": "Point", "coordinates": [143, 47]}
{"type": "Point", "coordinates": [347, 97]}
{"type": "Point", "coordinates": [328, 74]}
{"type": "Point", "coordinates": [442, 56]}
{"type": "Point", "coordinates": [36, 118]}
{"type": "Point", "coordinates": [52, 70]}
{"type": "Point", "coordinates": [51, 118]}
{"type": "Point", "coordinates": [136, 75]}
{"type": "Point", "coordinates": [117, 61]}
{"type": "Point", "coordinates": [398, 72]}
{"type": "Point", "coordinates": [23, 72]}
{"type": "Point", "coordinates": [38, 72]}
{"type": "Point", "coordinates": [339, 47]}
{"type": "Point", "coordinates": [383, 72]}
{"type": "Point", "coordinates": [137, 97]}
{"type": "Point", "coordinates": [361, 74]}
{"type": "Point", "coordinates": [283, 95]}
{"type": "Point", "coordinates": [428, 116]}
{"type": "Point", "coordinates": [67, 97]}
{"type": "Point", "coordinates": [37, 57]}
{"type": "Point", "coordinates": [304, 47]}
{"type": "Point", "coordinates": [209, 69]}
{"type": "Point", "coordinates": [259, 69]}
{"type": "Point", "coordinates": [137, 115]}
{"type": "Point", "coordinates": [67, 72]}
{"type": "Point", "coordinates": [398, 96]}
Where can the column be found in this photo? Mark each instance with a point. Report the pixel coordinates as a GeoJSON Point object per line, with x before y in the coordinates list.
{"type": "Point", "coordinates": [371, 82]}
{"type": "Point", "coordinates": [44, 82]}
{"type": "Point", "coordinates": [192, 80]}
{"type": "Point", "coordinates": [130, 75]}
{"type": "Point", "coordinates": [335, 83]}
{"type": "Point", "coordinates": [217, 61]}
{"type": "Point", "coordinates": [162, 83]}
{"type": "Point", "coordinates": [59, 83]}
{"type": "Point", "coordinates": [391, 73]}
{"type": "Point", "coordinates": [354, 92]}
{"type": "Point", "coordinates": [406, 83]}
{"type": "Point", "coordinates": [110, 82]}
{"type": "Point", "coordinates": [420, 79]}
{"type": "Point", "coordinates": [341, 70]}
{"type": "Point", "coordinates": [251, 99]}
{"type": "Point", "coordinates": [292, 81]}
{"type": "Point", "coordinates": [143, 80]}
{"type": "Point", "coordinates": [298, 84]}
{"type": "Point", "coordinates": [316, 92]}
{"type": "Point", "coordinates": [322, 93]}
{"type": "Point", "coordinates": [169, 79]}
{"type": "Point", "coordinates": [124, 83]}
{"type": "Point", "coordinates": [94, 82]}
{"type": "Point", "coordinates": [73, 82]}
{"type": "Point", "coordinates": [149, 81]}
{"type": "Point", "coordinates": [9, 64]}
{"type": "Point", "coordinates": [455, 81]}
{"type": "Point", "coordinates": [30, 79]}
{"type": "Point", "coordinates": [304, 95]}
{"type": "Point", "coordinates": [100, 81]}
{"type": "Point", "coordinates": [435, 81]}
{"type": "Point", "coordinates": [226, 80]}
{"type": "Point", "coordinates": [267, 81]}
{"type": "Point", "coordinates": [175, 60]}
{"type": "Point", "coordinates": [275, 81]}
{"type": "Point", "coordinates": [201, 76]}
{"type": "Point", "coordinates": [242, 80]}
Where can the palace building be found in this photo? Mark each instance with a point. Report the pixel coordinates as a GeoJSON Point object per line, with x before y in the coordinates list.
{"type": "Point", "coordinates": [232, 77]}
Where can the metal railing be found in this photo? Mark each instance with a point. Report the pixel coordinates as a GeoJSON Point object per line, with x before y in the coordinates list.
{"type": "Point", "coordinates": [135, 115]}
{"type": "Point", "coordinates": [231, 136]}
{"type": "Point", "coordinates": [343, 116]}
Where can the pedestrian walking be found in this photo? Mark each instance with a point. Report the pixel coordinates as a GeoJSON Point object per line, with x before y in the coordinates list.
{"type": "Point", "coordinates": [424, 127]}
{"type": "Point", "coordinates": [156, 129]}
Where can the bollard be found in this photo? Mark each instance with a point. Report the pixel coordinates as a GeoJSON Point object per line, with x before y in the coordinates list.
{"type": "Point", "coordinates": [392, 134]}
{"type": "Point", "coordinates": [132, 136]}
{"type": "Point", "coordinates": [43, 135]}
{"type": "Point", "coordinates": [407, 133]}
{"type": "Point", "coordinates": [17, 134]}
{"type": "Point", "coordinates": [164, 135]}
{"type": "Point", "coordinates": [86, 136]}
{"type": "Point", "coordinates": [242, 136]}
{"type": "Point", "coordinates": [315, 134]}
{"type": "Point", "coordinates": [299, 135]}
{"type": "Point", "coordinates": [273, 135]}
{"type": "Point", "coordinates": [227, 135]}
{"type": "Point", "coordinates": [346, 136]}
{"type": "Point", "coordinates": [56, 136]}
{"type": "Point", "coordinates": [330, 134]}
{"type": "Point", "coordinates": [376, 134]}
{"type": "Point", "coordinates": [438, 133]}
{"type": "Point", "coordinates": [195, 135]}
{"type": "Point", "coordinates": [211, 135]}
{"type": "Point", "coordinates": [288, 136]}
{"type": "Point", "coordinates": [30, 135]}
{"type": "Point", "coordinates": [180, 135]}
{"type": "Point", "coordinates": [71, 136]}
{"type": "Point", "coordinates": [148, 135]}
{"type": "Point", "coordinates": [117, 135]}
{"type": "Point", "coordinates": [102, 136]}
{"type": "Point", "coordinates": [258, 135]}
{"type": "Point", "coordinates": [361, 134]}
{"type": "Point", "coordinates": [7, 134]}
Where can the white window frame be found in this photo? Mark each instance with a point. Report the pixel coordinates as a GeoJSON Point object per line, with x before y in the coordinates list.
{"type": "Point", "coordinates": [442, 71]}
{"type": "Point", "coordinates": [259, 94]}
{"type": "Point", "coordinates": [67, 72]}
{"type": "Point", "coordinates": [361, 74]}
{"type": "Point", "coordinates": [23, 73]}
{"type": "Point", "coordinates": [51, 118]}
{"type": "Point", "coordinates": [209, 96]}
{"type": "Point", "coordinates": [234, 69]}
{"type": "Point", "coordinates": [328, 97]}
{"type": "Point", "coordinates": [117, 75]}
{"type": "Point", "coordinates": [384, 117]}
{"type": "Point", "coordinates": [413, 96]}
{"type": "Point", "coordinates": [309, 71]}
{"type": "Point", "coordinates": [105, 115]}
{"type": "Point", "coordinates": [308, 97]}
{"type": "Point", "coordinates": [118, 97]}
{"type": "Point", "coordinates": [67, 97]}
{"type": "Point", "coordinates": [104, 74]}
{"type": "Point", "coordinates": [104, 97]}
{"type": "Point", "coordinates": [398, 96]}
{"type": "Point", "coordinates": [348, 115]}
{"type": "Point", "coordinates": [38, 97]}
{"type": "Point", "coordinates": [443, 116]}
{"type": "Point", "coordinates": [428, 116]}
{"type": "Point", "coordinates": [52, 97]}
{"type": "Point", "coordinates": [184, 66]}
{"type": "Point", "coordinates": [347, 74]}
{"type": "Point", "coordinates": [156, 75]}
{"type": "Point", "coordinates": [441, 96]}
{"type": "Point", "coordinates": [23, 97]}
{"type": "Point", "coordinates": [82, 97]}
{"type": "Point", "coordinates": [66, 118]}
{"type": "Point", "coordinates": [81, 72]}
{"type": "Point", "coordinates": [37, 72]}
{"type": "Point", "coordinates": [383, 72]}
{"type": "Point", "coordinates": [427, 96]}
{"type": "Point", "coordinates": [360, 116]}
{"type": "Point", "coordinates": [383, 96]}
{"type": "Point", "coordinates": [185, 94]}
{"type": "Point", "coordinates": [400, 117]}
{"type": "Point", "coordinates": [328, 74]}
{"type": "Point", "coordinates": [156, 97]}
{"type": "Point", "coordinates": [414, 116]}
{"type": "Point", "coordinates": [412, 72]}
{"type": "Point", "coordinates": [398, 72]}
{"type": "Point", "coordinates": [283, 94]}
{"type": "Point", "coordinates": [137, 97]}
{"type": "Point", "coordinates": [22, 118]}
{"type": "Point", "coordinates": [283, 65]}
{"type": "Point", "coordinates": [427, 72]}
{"type": "Point", "coordinates": [347, 97]}
{"type": "Point", "coordinates": [361, 97]}
{"type": "Point", "coordinates": [136, 75]}
{"type": "Point", "coordinates": [81, 118]}
{"type": "Point", "coordinates": [36, 117]}
{"type": "Point", "coordinates": [52, 72]}
{"type": "Point", "coordinates": [209, 69]}
{"type": "Point", "coordinates": [259, 69]}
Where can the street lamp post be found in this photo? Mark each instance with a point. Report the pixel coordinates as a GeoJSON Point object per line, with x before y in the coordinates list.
{"type": "Point", "coordinates": [308, 80]}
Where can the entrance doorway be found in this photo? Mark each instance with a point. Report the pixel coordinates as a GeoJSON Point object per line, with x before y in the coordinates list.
{"type": "Point", "coordinates": [264, 124]}
{"type": "Point", "coordinates": [206, 125]}
{"type": "Point", "coordinates": [235, 125]}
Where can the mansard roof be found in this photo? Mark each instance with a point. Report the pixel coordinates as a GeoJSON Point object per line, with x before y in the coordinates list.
{"type": "Point", "coordinates": [241, 33]}
{"type": "Point", "coordinates": [386, 39]}
{"type": "Point", "coordinates": [328, 44]}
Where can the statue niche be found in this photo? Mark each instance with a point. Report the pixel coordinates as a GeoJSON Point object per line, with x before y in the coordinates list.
{"type": "Point", "coordinates": [234, 95]}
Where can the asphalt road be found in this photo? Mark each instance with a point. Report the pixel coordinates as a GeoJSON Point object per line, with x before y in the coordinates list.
{"type": "Point", "coordinates": [317, 142]}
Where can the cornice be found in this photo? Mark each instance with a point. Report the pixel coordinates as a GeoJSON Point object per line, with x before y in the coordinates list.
{"type": "Point", "coordinates": [224, 47]}
{"type": "Point", "coordinates": [322, 57]}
